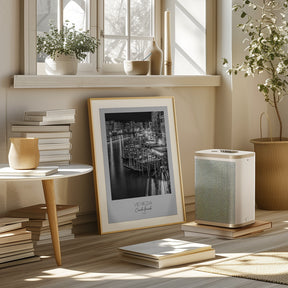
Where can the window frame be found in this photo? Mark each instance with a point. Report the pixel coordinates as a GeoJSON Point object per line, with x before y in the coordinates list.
{"type": "Point", "coordinates": [30, 31]}
{"type": "Point", "coordinates": [118, 68]}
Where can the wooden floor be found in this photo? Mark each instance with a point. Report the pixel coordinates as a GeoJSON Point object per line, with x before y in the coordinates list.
{"type": "Point", "coordinates": [92, 261]}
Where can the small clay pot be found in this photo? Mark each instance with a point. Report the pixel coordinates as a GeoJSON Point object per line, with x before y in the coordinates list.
{"type": "Point", "coordinates": [24, 153]}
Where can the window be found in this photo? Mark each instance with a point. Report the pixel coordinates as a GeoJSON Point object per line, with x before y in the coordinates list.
{"type": "Point", "coordinates": [126, 28]}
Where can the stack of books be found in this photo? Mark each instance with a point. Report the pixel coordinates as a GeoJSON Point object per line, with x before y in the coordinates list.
{"type": "Point", "coordinates": [53, 129]}
{"type": "Point", "coordinates": [16, 246]}
{"type": "Point", "coordinates": [38, 223]}
{"type": "Point", "coordinates": [166, 252]}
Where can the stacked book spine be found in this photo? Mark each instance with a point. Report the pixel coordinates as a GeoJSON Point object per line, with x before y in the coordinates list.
{"type": "Point", "coordinates": [53, 129]}
{"type": "Point", "coordinates": [38, 223]}
{"type": "Point", "coordinates": [16, 246]}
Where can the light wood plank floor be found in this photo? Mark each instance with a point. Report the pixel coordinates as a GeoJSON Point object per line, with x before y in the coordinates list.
{"type": "Point", "coordinates": [92, 261]}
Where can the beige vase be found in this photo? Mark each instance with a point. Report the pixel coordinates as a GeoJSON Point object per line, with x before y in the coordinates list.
{"type": "Point", "coordinates": [156, 59]}
{"type": "Point", "coordinates": [23, 153]}
{"type": "Point", "coordinates": [271, 173]}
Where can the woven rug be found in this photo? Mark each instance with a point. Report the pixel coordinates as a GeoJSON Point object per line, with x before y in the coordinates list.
{"type": "Point", "coordinates": [270, 266]}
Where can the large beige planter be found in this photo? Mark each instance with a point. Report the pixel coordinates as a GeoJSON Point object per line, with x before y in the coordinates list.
{"type": "Point", "coordinates": [271, 173]}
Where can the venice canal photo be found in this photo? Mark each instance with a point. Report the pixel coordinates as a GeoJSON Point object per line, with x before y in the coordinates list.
{"type": "Point", "coordinates": [137, 154]}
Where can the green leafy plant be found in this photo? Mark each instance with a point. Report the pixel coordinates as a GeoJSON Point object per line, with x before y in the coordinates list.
{"type": "Point", "coordinates": [66, 41]}
{"type": "Point", "coordinates": [267, 48]}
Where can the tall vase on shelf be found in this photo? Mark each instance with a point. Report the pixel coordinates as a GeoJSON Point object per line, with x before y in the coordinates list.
{"type": "Point", "coordinates": [156, 58]}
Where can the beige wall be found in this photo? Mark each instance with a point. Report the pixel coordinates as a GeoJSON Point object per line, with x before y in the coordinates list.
{"type": "Point", "coordinates": [226, 117]}
{"type": "Point", "coordinates": [195, 108]}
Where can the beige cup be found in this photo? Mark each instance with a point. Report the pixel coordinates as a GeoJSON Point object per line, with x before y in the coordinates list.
{"type": "Point", "coordinates": [23, 153]}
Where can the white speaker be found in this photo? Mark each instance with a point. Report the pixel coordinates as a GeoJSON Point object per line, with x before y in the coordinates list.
{"type": "Point", "coordinates": [225, 187]}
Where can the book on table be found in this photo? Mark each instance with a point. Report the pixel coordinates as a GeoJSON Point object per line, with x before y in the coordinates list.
{"type": "Point", "coordinates": [166, 252]}
{"type": "Point", "coordinates": [39, 171]}
{"type": "Point", "coordinates": [191, 228]}
{"type": "Point", "coordinates": [39, 211]}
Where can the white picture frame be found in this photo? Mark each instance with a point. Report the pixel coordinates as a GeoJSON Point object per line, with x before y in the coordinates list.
{"type": "Point", "coordinates": [137, 172]}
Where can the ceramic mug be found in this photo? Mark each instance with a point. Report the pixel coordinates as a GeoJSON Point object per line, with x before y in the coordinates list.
{"type": "Point", "coordinates": [23, 153]}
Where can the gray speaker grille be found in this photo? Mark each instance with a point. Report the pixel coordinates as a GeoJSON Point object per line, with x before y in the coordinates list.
{"type": "Point", "coordinates": [215, 191]}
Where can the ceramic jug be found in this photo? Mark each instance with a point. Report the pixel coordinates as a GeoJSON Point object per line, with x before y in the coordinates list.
{"type": "Point", "coordinates": [23, 153]}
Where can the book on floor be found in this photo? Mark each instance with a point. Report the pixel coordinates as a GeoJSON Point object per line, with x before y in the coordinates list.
{"type": "Point", "coordinates": [39, 171]}
{"type": "Point", "coordinates": [62, 220]}
{"type": "Point", "coordinates": [20, 261]}
{"type": "Point", "coordinates": [11, 223]}
{"type": "Point", "coordinates": [191, 228]}
{"type": "Point", "coordinates": [16, 246]}
{"type": "Point", "coordinates": [15, 236]}
{"type": "Point", "coordinates": [166, 252]}
{"type": "Point", "coordinates": [39, 211]}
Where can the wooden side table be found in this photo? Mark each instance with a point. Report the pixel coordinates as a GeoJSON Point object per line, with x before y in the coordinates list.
{"type": "Point", "coordinates": [49, 193]}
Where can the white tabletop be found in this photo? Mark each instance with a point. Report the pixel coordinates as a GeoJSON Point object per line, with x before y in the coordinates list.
{"type": "Point", "coordinates": [63, 172]}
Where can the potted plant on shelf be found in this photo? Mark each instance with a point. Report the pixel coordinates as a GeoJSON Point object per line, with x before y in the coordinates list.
{"type": "Point", "coordinates": [267, 52]}
{"type": "Point", "coordinates": [64, 48]}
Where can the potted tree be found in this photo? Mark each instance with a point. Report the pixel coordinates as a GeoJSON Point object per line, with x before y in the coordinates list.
{"type": "Point", "coordinates": [267, 52]}
{"type": "Point", "coordinates": [64, 48]}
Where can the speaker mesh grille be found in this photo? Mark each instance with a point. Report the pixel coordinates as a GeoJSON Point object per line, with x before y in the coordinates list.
{"type": "Point", "coordinates": [215, 191]}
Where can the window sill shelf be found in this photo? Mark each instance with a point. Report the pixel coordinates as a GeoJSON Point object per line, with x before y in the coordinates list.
{"type": "Point", "coordinates": [113, 81]}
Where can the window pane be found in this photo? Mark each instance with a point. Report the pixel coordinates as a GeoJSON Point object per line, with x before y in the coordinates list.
{"type": "Point", "coordinates": [115, 51]}
{"type": "Point", "coordinates": [76, 12]}
{"type": "Point", "coordinates": [138, 48]}
{"type": "Point", "coordinates": [115, 17]}
{"type": "Point", "coordinates": [141, 17]}
{"type": "Point", "coordinates": [46, 13]}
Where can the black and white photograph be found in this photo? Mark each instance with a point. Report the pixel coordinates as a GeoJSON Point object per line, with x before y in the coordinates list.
{"type": "Point", "coordinates": [137, 154]}
{"type": "Point", "coordinates": [137, 169]}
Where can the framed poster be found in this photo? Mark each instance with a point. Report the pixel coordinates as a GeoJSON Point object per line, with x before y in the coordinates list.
{"type": "Point", "coordinates": [137, 172]}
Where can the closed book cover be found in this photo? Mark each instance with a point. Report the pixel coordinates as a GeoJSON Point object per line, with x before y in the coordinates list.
{"type": "Point", "coordinates": [52, 146]}
{"type": "Point", "coordinates": [43, 123]}
{"type": "Point", "coordinates": [59, 157]}
{"type": "Point", "coordinates": [38, 224]}
{"type": "Point", "coordinates": [17, 256]}
{"type": "Point", "coordinates": [11, 223]}
{"type": "Point", "coordinates": [171, 261]}
{"type": "Point", "coordinates": [166, 252]}
{"type": "Point", "coordinates": [41, 135]}
{"type": "Point", "coordinates": [48, 118]}
{"type": "Point", "coordinates": [40, 129]}
{"type": "Point", "coordinates": [39, 171]}
{"type": "Point", "coordinates": [193, 227]}
{"type": "Point", "coordinates": [53, 112]}
{"type": "Point", "coordinates": [39, 211]}
{"type": "Point", "coordinates": [53, 140]}
{"type": "Point", "coordinates": [47, 234]}
{"type": "Point", "coordinates": [17, 246]}
{"type": "Point", "coordinates": [15, 236]}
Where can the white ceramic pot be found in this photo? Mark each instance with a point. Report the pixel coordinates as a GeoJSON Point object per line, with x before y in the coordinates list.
{"type": "Point", "coordinates": [132, 67]}
{"type": "Point", "coordinates": [62, 65]}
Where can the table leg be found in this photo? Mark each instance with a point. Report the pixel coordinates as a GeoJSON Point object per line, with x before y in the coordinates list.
{"type": "Point", "coordinates": [49, 193]}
